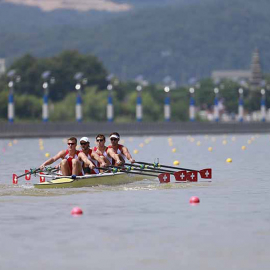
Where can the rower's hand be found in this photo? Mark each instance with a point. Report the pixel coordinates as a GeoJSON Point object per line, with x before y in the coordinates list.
{"type": "Point", "coordinates": [92, 166]}
{"type": "Point", "coordinates": [132, 160]}
{"type": "Point", "coordinates": [103, 164]}
{"type": "Point", "coordinates": [119, 163]}
{"type": "Point", "coordinates": [42, 167]}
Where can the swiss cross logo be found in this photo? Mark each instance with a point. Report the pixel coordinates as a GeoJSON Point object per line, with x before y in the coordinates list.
{"type": "Point", "coordinates": [28, 175]}
{"type": "Point", "coordinates": [15, 179]}
{"type": "Point", "coordinates": [206, 173]}
{"type": "Point", "coordinates": [180, 176]}
{"type": "Point", "coordinates": [192, 176]}
{"type": "Point", "coordinates": [164, 178]}
{"type": "Point", "coordinates": [42, 178]}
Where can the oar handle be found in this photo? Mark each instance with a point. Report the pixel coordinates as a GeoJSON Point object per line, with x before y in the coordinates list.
{"type": "Point", "coordinates": [103, 168]}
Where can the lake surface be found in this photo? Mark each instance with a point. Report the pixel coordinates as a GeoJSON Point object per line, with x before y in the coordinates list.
{"type": "Point", "coordinates": [143, 225]}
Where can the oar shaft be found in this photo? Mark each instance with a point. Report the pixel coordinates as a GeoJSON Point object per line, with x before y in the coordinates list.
{"type": "Point", "coordinates": [165, 166]}
{"type": "Point", "coordinates": [148, 169]}
{"type": "Point", "coordinates": [130, 172]}
{"type": "Point", "coordinates": [35, 171]}
{"type": "Point", "coordinates": [151, 168]}
{"type": "Point", "coordinates": [121, 169]}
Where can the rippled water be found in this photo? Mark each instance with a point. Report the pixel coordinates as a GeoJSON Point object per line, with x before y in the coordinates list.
{"type": "Point", "coordinates": [143, 225]}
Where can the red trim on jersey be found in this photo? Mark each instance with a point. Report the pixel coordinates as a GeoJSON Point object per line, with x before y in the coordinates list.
{"type": "Point", "coordinates": [95, 150]}
{"type": "Point", "coordinates": [120, 147]}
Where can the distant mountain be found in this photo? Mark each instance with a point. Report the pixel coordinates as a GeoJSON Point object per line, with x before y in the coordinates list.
{"type": "Point", "coordinates": [100, 5]}
{"type": "Point", "coordinates": [81, 5]}
{"type": "Point", "coordinates": [179, 39]}
{"type": "Point", "coordinates": [149, 3]}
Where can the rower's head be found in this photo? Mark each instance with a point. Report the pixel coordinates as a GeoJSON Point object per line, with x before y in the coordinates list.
{"type": "Point", "coordinates": [100, 139]}
{"type": "Point", "coordinates": [72, 143]}
{"type": "Point", "coordinates": [114, 137]}
{"type": "Point", "coordinates": [84, 142]}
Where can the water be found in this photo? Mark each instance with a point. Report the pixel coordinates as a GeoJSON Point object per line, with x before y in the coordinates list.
{"type": "Point", "coordinates": [143, 225]}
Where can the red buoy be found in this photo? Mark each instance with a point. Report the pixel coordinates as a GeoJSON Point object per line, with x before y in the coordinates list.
{"type": "Point", "coordinates": [76, 211]}
{"type": "Point", "coordinates": [194, 199]}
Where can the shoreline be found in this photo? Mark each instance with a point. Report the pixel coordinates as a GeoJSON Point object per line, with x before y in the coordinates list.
{"type": "Point", "coordinates": [45, 130]}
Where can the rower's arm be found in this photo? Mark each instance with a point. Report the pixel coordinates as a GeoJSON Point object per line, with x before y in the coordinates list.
{"type": "Point", "coordinates": [114, 156]}
{"type": "Point", "coordinates": [51, 160]}
{"type": "Point", "coordinates": [88, 162]}
{"type": "Point", "coordinates": [127, 154]}
{"type": "Point", "coordinates": [95, 156]}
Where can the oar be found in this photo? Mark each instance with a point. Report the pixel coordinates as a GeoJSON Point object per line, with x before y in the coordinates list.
{"type": "Point", "coordinates": [163, 177]}
{"type": "Point", "coordinates": [116, 169]}
{"type": "Point", "coordinates": [51, 170]}
{"type": "Point", "coordinates": [28, 174]}
{"type": "Point", "coordinates": [15, 177]}
{"type": "Point", "coordinates": [147, 168]}
{"type": "Point", "coordinates": [205, 173]}
{"type": "Point", "coordinates": [157, 165]}
{"type": "Point", "coordinates": [137, 168]}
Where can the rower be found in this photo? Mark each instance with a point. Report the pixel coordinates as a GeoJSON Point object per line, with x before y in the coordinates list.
{"type": "Point", "coordinates": [92, 156]}
{"type": "Point", "coordinates": [72, 159]}
{"type": "Point", "coordinates": [101, 149]}
{"type": "Point", "coordinates": [118, 153]}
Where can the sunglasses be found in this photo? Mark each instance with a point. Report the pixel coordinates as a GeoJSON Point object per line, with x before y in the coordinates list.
{"type": "Point", "coordinates": [100, 140]}
{"type": "Point", "coordinates": [84, 143]}
{"type": "Point", "coordinates": [114, 139]}
{"type": "Point", "coordinates": [71, 143]}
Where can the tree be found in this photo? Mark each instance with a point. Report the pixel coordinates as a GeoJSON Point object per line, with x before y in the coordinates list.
{"type": "Point", "coordinates": [63, 67]}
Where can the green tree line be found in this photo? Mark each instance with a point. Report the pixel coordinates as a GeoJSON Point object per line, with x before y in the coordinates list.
{"type": "Point", "coordinates": [28, 92]}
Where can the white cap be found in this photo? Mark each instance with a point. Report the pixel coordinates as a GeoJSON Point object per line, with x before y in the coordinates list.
{"type": "Point", "coordinates": [114, 136]}
{"type": "Point", "coordinates": [85, 139]}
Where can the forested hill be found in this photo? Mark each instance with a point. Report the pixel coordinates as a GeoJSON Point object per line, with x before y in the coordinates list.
{"type": "Point", "coordinates": [178, 39]}
{"type": "Point", "coordinates": [154, 3]}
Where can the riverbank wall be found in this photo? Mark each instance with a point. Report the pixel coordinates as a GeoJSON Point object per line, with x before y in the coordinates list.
{"type": "Point", "coordinates": [43, 130]}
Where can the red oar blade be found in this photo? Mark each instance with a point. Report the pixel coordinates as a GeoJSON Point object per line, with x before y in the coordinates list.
{"type": "Point", "coordinates": [41, 178]}
{"type": "Point", "coordinates": [206, 173]}
{"type": "Point", "coordinates": [28, 175]}
{"type": "Point", "coordinates": [15, 179]}
{"type": "Point", "coordinates": [164, 178]}
{"type": "Point", "coordinates": [192, 176]}
{"type": "Point", "coordinates": [180, 176]}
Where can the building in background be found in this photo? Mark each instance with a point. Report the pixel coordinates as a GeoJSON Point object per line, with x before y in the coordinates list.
{"type": "Point", "coordinates": [252, 76]}
{"type": "Point", "coordinates": [256, 71]}
{"type": "Point", "coordinates": [234, 75]}
{"type": "Point", "coordinates": [2, 66]}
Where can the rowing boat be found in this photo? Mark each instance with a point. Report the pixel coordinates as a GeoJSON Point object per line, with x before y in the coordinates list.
{"type": "Point", "coordinates": [118, 178]}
